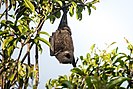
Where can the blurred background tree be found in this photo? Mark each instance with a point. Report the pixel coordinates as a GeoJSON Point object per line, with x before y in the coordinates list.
{"type": "Point", "coordinates": [21, 24]}
{"type": "Point", "coordinates": [100, 69]}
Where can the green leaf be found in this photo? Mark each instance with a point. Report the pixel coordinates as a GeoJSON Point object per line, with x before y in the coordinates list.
{"type": "Point", "coordinates": [52, 19]}
{"type": "Point", "coordinates": [89, 5]}
{"type": "Point", "coordinates": [10, 50]}
{"type": "Point", "coordinates": [89, 10]}
{"type": "Point", "coordinates": [43, 40]}
{"type": "Point", "coordinates": [81, 57]}
{"type": "Point", "coordinates": [79, 10]}
{"type": "Point", "coordinates": [6, 42]}
{"type": "Point", "coordinates": [119, 59]}
{"type": "Point", "coordinates": [79, 16]}
{"type": "Point", "coordinates": [92, 47]}
{"type": "Point", "coordinates": [3, 32]}
{"type": "Point", "coordinates": [48, 84]}
{"type": "Point", "coordinates": [29, 5]}
{"type": "Point", "coordinates": [3, 22]}
{"type": "Point", "coordinates": [71, 11]}
{"type": "Point", "coordinates": [66, 84]}
{"type": "Point", "coordinates": [20, 28]}
{"type": "Point", "coordinates": [116, 81]}
{"type": "Point", "coordinates": [12, 77]}
{"type": "Point", "coordinates": [111, 44]}
{"type": "Point", "coordinates": [60, 3]}
{"type": "Point", "coordinates": [95, 1]}
{"type": "Point", "coordinates": [45, 33]}
{"type": "Point", "coordinates": [88, 81]}
{"type": "Point", "coordinates": [58, 14]}
{"type": "Point", "coordinates": [88, 56]}
{"type": "Point", "coordinates": [77, 71]}
{"type": "Point", "coordinates": [38, 44]}
{"type": "Point", "coordinates": [93, 7]}
{"type": "Point", "coordinates": [74, 4]}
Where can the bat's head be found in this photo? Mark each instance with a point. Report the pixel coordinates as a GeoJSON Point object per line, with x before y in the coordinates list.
{"type": "Point", "coordinates": [65, 57]}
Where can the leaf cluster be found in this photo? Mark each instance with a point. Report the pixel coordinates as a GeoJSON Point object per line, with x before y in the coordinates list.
{"type": "Point", "coordinates": [100, 69]}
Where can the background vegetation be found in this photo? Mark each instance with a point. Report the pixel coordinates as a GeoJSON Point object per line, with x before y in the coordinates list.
{"type": "Point", "coordinates": [100, 69]}
{"type": "Point", "coordinates": [20, 29]}
{"type": "Point", "coordinates": [21, 24]}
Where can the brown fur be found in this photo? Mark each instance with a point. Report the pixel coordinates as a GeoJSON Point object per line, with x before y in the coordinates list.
{"type": "Point", "coordinates": [62, 45]}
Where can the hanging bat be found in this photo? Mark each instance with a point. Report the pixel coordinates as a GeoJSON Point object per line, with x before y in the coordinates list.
{"type": "Point", "coordinates": [61, 42]}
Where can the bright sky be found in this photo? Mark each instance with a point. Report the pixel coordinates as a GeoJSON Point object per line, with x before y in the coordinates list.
{"type": "Point", "coordinates": [112, 21]}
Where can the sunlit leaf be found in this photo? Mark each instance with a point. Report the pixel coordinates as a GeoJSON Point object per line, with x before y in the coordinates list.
{"type": "Point", "coordinates": [10, 50]}
{"type": "Point", "coordinates": [88, 55]}
{"type": "Point", "coordinates": [12, 77]}
{"type": "Point", "coordinates": [43, 32]}
{"type": "Point", "coordinates": [93, 7]}
{"type": "Point", "coordinates": [6, 42]}
{"type": "Point", "coordinates": [29, 5]}
{"type": "Point", "coordinates": [43, 40]}
{"type": "Point", "coordinates": [3, 22]}
{"type": "Point", "coordinates": [74, 4]}
{"type": "Point", "coordinates": [21, 70]}
{"type": "Point", "coordinates": [20, 28]}
{"type": "Point", "coordinates": [92, 47]}
{"type": "Point", "coordinates": [77, 71]}
{"type": "Point", "coordinates": [48, 84]}
{"type": "Point", "coordinates": [71, 10]}
{"type": "Point", "coordinates": [60, 2]}
{"type": "Point", "coordinates": [95, 1]}
{"type": "Point", "coordinates": [3, 32]}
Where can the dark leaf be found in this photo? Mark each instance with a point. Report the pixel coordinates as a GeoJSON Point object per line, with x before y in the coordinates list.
{"type": "Point", "coordinates": [116, 82]}
{"type": "Point", "coordinates": [88, 81]}
{"type": "Point", "coordinates": [58, 14]}
{"type": "Point", "coordinates": [66, 84]}
{"type": "Point", "coordinates": [77, 71]}
{"type": "Point", "coordinates": [52, 18]}
{"type": "Point", "coordinates": [19, 12]}
{"type": "Point", "coordinates": [89, 10]}
{"type": "Point", "coordinates": [79, 10]}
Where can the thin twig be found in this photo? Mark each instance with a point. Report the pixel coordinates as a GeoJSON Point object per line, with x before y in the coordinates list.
{"type": "Point", "coordinates": [27, 53]}
{"type": "Point", "coordinates": [37, 57]}
{"type": "Point", "coordinates": [38, 28]}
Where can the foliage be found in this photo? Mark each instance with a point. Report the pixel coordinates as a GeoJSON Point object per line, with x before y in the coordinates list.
{"type": "Point", "coordinates": [100, 69]}
{"type": "Point", "coordinates": [21, 23]}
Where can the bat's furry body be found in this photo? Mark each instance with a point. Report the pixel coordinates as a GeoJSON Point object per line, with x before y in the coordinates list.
{"type": "Point", "coordinates": [62, 44]}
